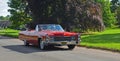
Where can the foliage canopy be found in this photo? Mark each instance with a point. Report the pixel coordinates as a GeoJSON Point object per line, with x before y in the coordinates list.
{"type": "Point", "coordinates": [84, 15]}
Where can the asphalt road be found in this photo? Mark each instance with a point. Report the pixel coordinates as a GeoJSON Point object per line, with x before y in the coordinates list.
{"type": "Point", "coordinates": [14, 50]}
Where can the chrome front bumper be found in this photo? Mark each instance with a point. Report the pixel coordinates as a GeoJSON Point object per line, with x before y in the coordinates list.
{"type": "Point", "coordinates": [61, 43]}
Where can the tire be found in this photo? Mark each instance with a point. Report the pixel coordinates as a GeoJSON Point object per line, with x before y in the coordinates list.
{"type": "Point", "coordinates": [71, 47]}
{"type": "Point", "coordinates": [41, 44]}
{"type": "Point", "coordinates": [26, 43]}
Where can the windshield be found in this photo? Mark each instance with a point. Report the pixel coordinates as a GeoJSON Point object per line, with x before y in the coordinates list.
{"type": "Point", "coordinates": [51, 27]}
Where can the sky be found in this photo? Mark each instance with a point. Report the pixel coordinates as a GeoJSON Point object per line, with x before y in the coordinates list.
{"type": "Point", "coordinates": [4, 8]}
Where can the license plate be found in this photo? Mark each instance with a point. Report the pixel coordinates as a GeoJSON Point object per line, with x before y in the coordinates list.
{"type": "Point", "coordinates": [63, 43]}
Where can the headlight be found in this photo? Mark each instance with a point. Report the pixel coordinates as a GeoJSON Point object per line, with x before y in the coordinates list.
{"type": "Point", "coordinates": [79, 37]}
{"type": "Point", "coordinates": [73, 37]}
{"type": "Point", "coordinates": [48, 38]}
{"type": "Point", "coordinates": [51, 38]}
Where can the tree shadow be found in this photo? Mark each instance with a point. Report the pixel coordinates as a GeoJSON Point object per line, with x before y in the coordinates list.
{"type": "Point", "coordinates": [32, 49]}
{"type": "Point", "coordinates": [106, 38]}
{"type": "Point", "coordinates": [4, 37]}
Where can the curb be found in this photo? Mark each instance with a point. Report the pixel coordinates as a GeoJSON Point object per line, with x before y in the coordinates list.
{"type": "Point", "coordinates": [99, 48]}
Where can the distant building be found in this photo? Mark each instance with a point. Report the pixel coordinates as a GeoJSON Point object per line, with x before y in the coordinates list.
{"type": "Point", "coordinates": [4, 24]}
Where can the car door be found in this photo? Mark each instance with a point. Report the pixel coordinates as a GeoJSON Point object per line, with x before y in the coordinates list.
{"type": "Point", "coordinates": [33, 38]}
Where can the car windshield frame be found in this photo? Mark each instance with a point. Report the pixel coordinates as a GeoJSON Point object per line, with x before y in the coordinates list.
{"type": "Point", "coordinates": [52, 27]}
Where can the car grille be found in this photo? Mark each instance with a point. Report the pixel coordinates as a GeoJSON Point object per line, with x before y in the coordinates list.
{"type": "Point", "coordinates": [62, 38]}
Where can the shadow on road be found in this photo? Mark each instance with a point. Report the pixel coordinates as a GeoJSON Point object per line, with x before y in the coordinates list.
{"type": "Point", "coordinates": [3, 37]}
{"type": "Point", "coordinates": [32, 49]}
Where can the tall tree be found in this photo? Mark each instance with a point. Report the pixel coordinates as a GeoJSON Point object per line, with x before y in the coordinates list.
{"type": "Point", "coordinates": [84, 14]}
{"type": "Point", "coordinates": [115, 8]}
{"type": "Point", "coordinates": [18, 16]}
{"type": "Point", "coordinates": [117, 12]}
{"type": "Point", "coordinates": [114, 5]}
{"type": "Point", "coordinates": [108, 16]}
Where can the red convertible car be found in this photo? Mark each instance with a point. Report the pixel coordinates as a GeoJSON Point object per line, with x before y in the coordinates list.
{"type": "Point", "coordinates": [46, 35]}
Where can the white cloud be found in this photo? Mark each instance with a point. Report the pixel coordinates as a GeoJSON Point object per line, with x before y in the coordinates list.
{"type": "Point", "coordinates": [4, 8]}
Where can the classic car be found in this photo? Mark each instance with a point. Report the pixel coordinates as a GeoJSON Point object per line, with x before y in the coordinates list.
{"type": "Point", "coordinates": [46, 35]}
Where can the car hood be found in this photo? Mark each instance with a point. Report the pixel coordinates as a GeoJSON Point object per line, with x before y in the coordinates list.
{"type": "Point", "coordinates": [59, 33]}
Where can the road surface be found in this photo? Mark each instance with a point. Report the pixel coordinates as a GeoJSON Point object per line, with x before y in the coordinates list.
{"type": "Point", "coordinates": [14, 50]}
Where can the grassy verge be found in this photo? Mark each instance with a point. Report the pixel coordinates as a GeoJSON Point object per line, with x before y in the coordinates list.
{"type": "Point", "coordinates": [9, 32]}
{"type": "Point", "coordinates": [109, 39]}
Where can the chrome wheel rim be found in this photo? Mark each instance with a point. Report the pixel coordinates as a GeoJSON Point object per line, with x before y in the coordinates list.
{"type": "Point", "coordinates": [42, 45]}
{"type": "Point", "coordinates": [25, 42]}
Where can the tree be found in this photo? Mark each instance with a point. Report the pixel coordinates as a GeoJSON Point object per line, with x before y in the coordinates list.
{"type": "Point", "coordinates": [114, 5]}
{"type": "Point", "coordinates": [115, 8]}
{"type": "Point", "coordinates": [84, 14]}
{"type": "Point", "coordinates": [4, 18]}
{"type": "Point", "coordinates": [108, 16]}
{"type": "Point", "coordinates": [18, 16]}
{"type": "Point", "coordinates": [118, 16]}
{"type": "Point", "coordinates": [1, 18]}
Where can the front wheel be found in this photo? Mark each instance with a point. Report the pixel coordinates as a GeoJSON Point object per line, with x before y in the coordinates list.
{"type": "Point", "coordinates": [41, 44]}
{"type": "Point", "coordinates": [71, 47]}
{"type": "Point", "coordinates": [26, 43]}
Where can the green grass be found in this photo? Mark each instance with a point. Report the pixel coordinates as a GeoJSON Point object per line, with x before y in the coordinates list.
{"type": "Point", "coordinates": [9, 32]}
{"type": "Point", "coordinates": [109, 39]}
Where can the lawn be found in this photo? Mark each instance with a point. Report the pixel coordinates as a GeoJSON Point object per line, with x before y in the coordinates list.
{"type": "Point", "coordinates": [9, 32]}
{"type": "Point", "coordinates": [109, 39]}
